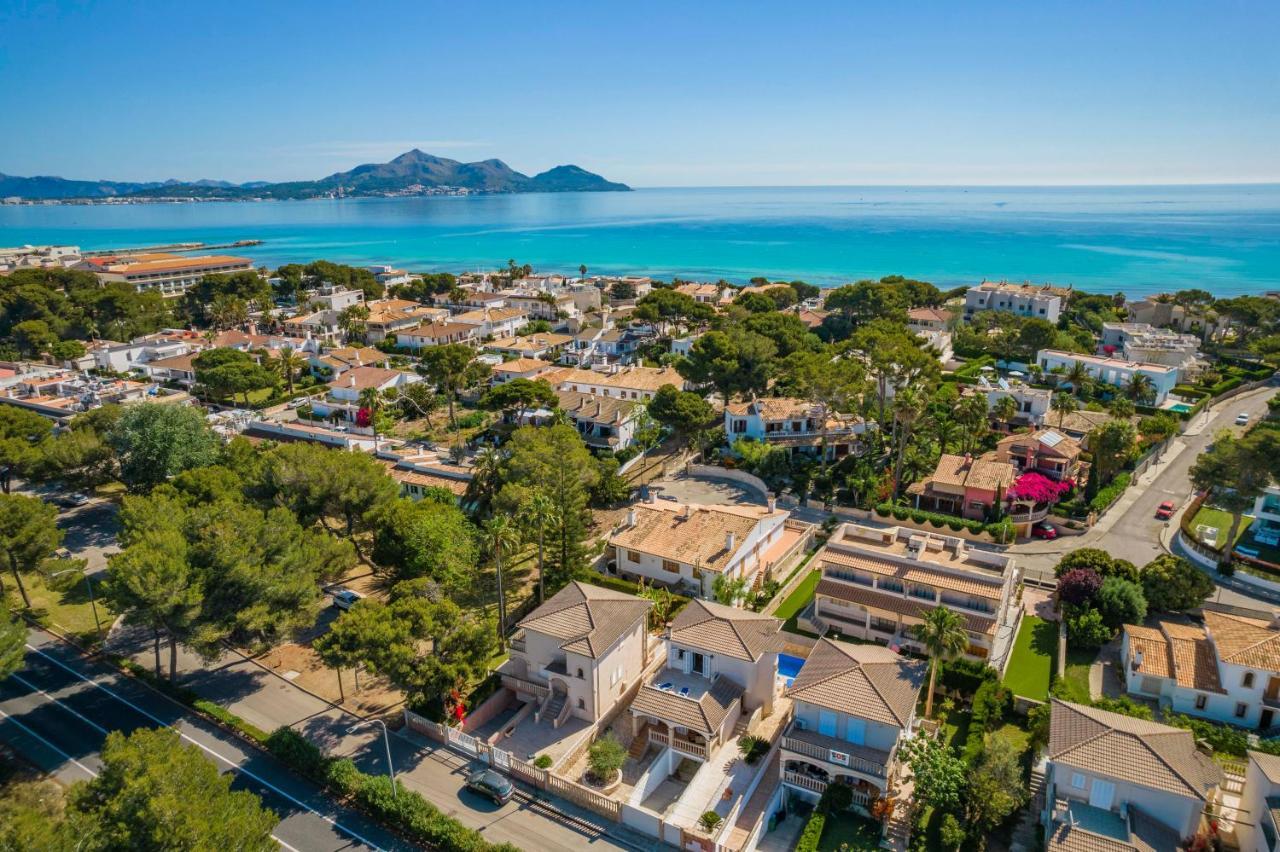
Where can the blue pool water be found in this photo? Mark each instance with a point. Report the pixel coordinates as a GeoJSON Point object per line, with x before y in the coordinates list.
{"type": "Point", "coordinates": [1180, 407]}
{"type": "Point", "coordinates": [789, 667]}
{"type": "Point", "coordinates": [1225, 239]}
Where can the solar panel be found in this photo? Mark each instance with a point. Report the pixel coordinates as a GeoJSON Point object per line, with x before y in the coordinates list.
{"type": "Point", "coordinates": [1052, 439]}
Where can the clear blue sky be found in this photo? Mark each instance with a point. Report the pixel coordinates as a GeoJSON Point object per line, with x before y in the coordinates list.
{"type": "Point", "coordinates": [654, 94]}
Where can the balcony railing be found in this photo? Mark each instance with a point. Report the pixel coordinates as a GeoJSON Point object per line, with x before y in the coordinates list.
{"type": "Point", "coordinates": [517, 643]}
{"type": "Point", "coordinates": [523, 684]}
{"type": "Point", "coordinates": [808, 782]}
{"type": "Point", "coordinates": [698, 750]}
{"type": "Point", "coordinates": [793, 742]}
{"type": "Point", "coordinates": [1030, 516]}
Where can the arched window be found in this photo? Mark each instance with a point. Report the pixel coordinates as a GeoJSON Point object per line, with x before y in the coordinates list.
{"type": "Point", "coordinates": [1248, 680]}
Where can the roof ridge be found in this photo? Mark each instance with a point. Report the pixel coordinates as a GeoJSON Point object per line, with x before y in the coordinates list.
{"type": "Point", "coordinates": [862, 669]}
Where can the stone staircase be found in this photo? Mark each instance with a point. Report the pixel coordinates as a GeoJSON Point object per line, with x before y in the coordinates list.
{"type": "Point", "coordinates": [555, 703]}
{"type": "Point", "coordinates": [639, 743]}
{"type": "Point", "coordinates": [897, 834]}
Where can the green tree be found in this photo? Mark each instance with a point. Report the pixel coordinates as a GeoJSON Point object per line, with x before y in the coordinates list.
{"type": "Point", "coordinates": [537, 513]}
{"type": "Point", "coordinates": [554, 460]}
{"type": "Point", "coordinates": [1120, 602]}
{"type": "Point", "coordinates": [289, 364]}
{"type": "Point", "coordinates": [606, 756]}
{"type": "Point", "coordinates": [684, 412]}
{"type": "Point", "coordinates": [13, 643]}
{"type": "Point", "coordinates": [24, 437]}
{"type": "Point", "coordinates": [731, 362]}
{"type": "Point", "coordinates": [1086, 629]}
{"type": "Point", "coordinates": [1234, 472]}
{"type": "Point", "coordinates": [316, 482]}
{"type": "Point", "coordinates": [245, 288]}
{"type": "Point", "coordinates": [1062, 405]}
{"type": "Point", "coordinates": [939, 774]}
{"type": "Point", "coordinates": [729, 590]}
{"type": "Point", "coordinates": [1172, 584]}
{"type": "Point", "coordinates": [426, 539]}
{"type": "Point", "coordinates": [351, 320]}
{"type": "Point", "coordinates": [1004, 410]}
{"type": "Point", "coordinates": [226, 372]}
{"type": "Point", "coordinates": [908, 407]}
{"type": "Point", "coordinates": [1113, 444]}
{"type": "Point", "coordinates": [519, 396]}
{"type": "Point", "coordinates": [155, 792]}
{"type": "Point", "coordinates": [33, 338]}
{"type": "Point", "coordinates": [501, 537]}
{"type": "Point", "coordinates": [154, 441]}
{"type": "Point", "coordinates": [452, 368]}
{"type": "Point", "coordinates": [941, 632]}
{"type": "Point", "coordinates": [29, 534]}
{"type": "Point", "coordinates": [995, 788]}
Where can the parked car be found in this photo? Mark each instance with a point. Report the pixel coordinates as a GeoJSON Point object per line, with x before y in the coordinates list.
{"type": "Point", "coordinates": [71, 501]}
{"type": "Point", "coordinates": [1242, 419]}
{"type": "Point", "coordinates": [1044, 530]}
{"type": "Point", "coordinates": [344, 599]}
{"type": "Point", "coordinates": [491, 785]}
{"type": "Point", "coordinates": [1165, 510]}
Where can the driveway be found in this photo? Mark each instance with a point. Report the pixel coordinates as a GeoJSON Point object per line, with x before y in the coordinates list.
{"type": "Point", "coordinates": [1130, 530]}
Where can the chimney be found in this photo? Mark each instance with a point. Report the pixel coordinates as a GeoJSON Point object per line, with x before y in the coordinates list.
{"type": "Point", "coordinates": [253, 328]}
{"type": "Point", "coordinates": [1137, 660]}
{"type": "Point", "coordinates": [351, 381]}
{"type": "Point", "coordinates": [773, 504]}
{"type": "Point", "coordinates": [686, 511]}
{"type": "Point", "coordinates": [631, 517]}
{"type": "Point", "coordinates": [730, 541]}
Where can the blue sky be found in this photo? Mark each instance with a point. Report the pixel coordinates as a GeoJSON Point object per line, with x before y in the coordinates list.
{"type": "Point", "coordinates": [654, 94]}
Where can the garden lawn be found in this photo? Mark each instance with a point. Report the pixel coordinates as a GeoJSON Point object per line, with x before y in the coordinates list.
{"type": "Point", "coordinates": [1211, 517]}
{"type": "Point", "coordinates": [1032, 661]}
{"type": "Point", "coordinates": [1076, 678]}
{"type": "Point", "coordinates": [67, 612]}
{"type": "Point", "coordinates": [798, 600]}
{"type": "Point", "coordinates": [849, 831]}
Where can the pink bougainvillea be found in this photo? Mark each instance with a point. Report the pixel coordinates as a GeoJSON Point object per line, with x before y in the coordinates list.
{"type": "Point", "coordinates": [364, 417]}
{"type": "Point", "coordinates": [1032, 487]}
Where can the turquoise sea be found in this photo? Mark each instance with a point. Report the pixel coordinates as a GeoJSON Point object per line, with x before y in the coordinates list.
{"type": "Point", "coordinates": [1132, 239]}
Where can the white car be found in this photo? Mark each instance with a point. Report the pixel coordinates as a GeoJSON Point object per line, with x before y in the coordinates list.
{"type": "Point", "coordinates": [344, 599]}
{"type": "Point", "coordinates": [1242, 419]}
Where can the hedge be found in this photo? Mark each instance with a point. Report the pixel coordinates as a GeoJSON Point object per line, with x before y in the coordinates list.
{"type": "Point", "coordinates": [1108, 495]}
{"type": "Point", "coordinates": [812, 833]}
{"type": "Point", "coordinates": [974, 366]}
{"type": "Point", "coordinates": [999, 530]}
{"type": "Point", "coordinates": [406, 810]}
{"type": "Point", "coordinates": [1221, 738]}
{"type": "Point", "coordinates": [621, 584]}
{"type": "Point", "coordinates": [965, 676]}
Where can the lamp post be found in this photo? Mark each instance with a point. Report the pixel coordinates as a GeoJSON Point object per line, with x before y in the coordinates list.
{"type": "Point", "coordinates": [386, 741]}
{"type": "Point", "coordinates": [88, 584]}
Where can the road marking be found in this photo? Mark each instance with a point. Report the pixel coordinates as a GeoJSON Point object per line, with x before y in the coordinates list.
{"type": "Point", "coordinates": [92, 774]}
{"type": "Point", "coordinates": [92, 724]}
{"type": "Point", "coordinates": [283, 794]}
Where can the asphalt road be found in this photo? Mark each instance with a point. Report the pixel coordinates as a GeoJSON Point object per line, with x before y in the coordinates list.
{"type": "Point", "coordinates": [56, 711]}
{"type": "Point", "coordinates": [1135, 533]}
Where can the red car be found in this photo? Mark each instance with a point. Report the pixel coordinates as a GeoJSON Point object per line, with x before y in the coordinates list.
{"type": "Point", "coordinates": [1044, 530]}
{"type": "Point", "coordinates": [1165, 510]}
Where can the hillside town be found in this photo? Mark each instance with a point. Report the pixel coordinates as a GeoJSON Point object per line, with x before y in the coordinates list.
{"type": "Point", "coordinates": [513, 559]}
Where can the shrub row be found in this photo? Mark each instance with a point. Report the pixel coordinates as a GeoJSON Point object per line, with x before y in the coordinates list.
{"type": "Point", "coordinates": [621, 584]}
{"type": "Point", "coordinates": [406, 810]}
{"type": "Point", "coordinates": [1108, 495]}
{"type": "Point", "coordinates": [1001, 531]}
{"type": "Point", "coordinates": [837, 797]}
{"type": "Point", "coordinates": [974, 366]}
{"type": "Point", "coordinates": [965, 676]}
{"type": "Point", "coordinates": [992, 704]}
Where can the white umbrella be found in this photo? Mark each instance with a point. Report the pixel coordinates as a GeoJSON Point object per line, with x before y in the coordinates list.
{"type": "Point", "coordinates": [1018, 373]}
{"type": "Point", "coordinates": [988, 368]}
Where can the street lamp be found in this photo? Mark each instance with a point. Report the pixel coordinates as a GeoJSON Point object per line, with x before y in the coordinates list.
{"type": "Point", "coordinates": [88, 584]}
{"type": "Point", "coordinates": [386, 741]}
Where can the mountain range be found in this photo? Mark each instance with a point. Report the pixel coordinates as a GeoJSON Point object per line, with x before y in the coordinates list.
{"type": "Point", "coordinates": [410, 173]}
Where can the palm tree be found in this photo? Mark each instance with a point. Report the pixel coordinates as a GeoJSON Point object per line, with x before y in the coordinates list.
{"type": "Point", "coordinates": [582, 270]}
{"type": "Point", "coordinates": [351, 320]}
{"type": "Point", "coordinates": [537, 513]}
{"type": "Point", "coordinates": [501, 536]}
{"type": "Point", "coordinates": [1005, 409]}
{"type": "Point", "coordinates": [288, 362]}
{"type": "Point", "coordinates": [371, 401]}
{"type": "Point", "coordinates": [486, 473]}
{"type": "Point", "coordinates": [908, 406]}
{"type": "Point", "coordinates": [1140, 388]}
{"type": "Point", "coordinates": [943, 636]}
{"type": "Point", "coordinates": [971, 414]}
{"type": "Point", "coordinates": [1063, 403]}
{"type": "Point", "coordinates": [1078, 377]}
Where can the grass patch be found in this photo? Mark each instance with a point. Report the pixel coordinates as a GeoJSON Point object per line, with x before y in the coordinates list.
{"type": "Point", "coordinates": [849, 831]}
{"type": "Point", "coordinates": [1075, 679]}
{"type": "Point", "coordinates": [1017, 737]}
{"type": "Point", "coordinates": [790, 607]}
{"type": "Point", "coordinates": [66, 611]}
{"type": "Point", "coordinates": [956, 731]}
{"type": "Point", "coordinates": [1032, 660]}
{"type": "Point", "coordinates": [1211, 517]}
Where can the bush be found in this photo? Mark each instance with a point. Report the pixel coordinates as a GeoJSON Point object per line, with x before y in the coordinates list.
{"type": "Point", "coordinates": [965, 676]}
{"type": "Point", "coordinates": [1086, 630]}
{"type": "Point", "coordinates": [1079, 586]}
{"type": "Point", "coordinates": [1108, 495]}
{"type": "Point", "coordinates": [992, 703]}
{"type": "Point", "coordinates": [838, 797]}
{"type": "Point", "coordinates": [343, 777]}
{"type": "Point", "coordinates": [752, 748]}
{"type": "Point", "coordinates": [605, 757]}
{"type": "Point", "coordinates": [812, 833]}
{"type": "Point", "coordinates": [1221, 738]}
{"type": "Point", "coordinates": [952, 833]}
{"type": "Point", "coordinates": [1120, 602]}
{"type": "Point", "coordinates": [709, 821]}
{"type": "Point", "coordinates": [544, 761]}
{"type": "Point", "coordinates": [297, 751]}
{"type": "Point", "coordinates": [1172, 584]}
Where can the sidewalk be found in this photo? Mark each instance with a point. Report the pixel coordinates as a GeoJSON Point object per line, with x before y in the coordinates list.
{"type": "Point", "coordinates": [268, 700]}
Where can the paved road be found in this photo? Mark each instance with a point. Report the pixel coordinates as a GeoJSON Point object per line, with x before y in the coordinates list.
{"type": "Point", "coordinates": [1130, 530]}
{"type": "Point", "coordinates": [268, 700]}
{"type": "Point", "coordinates": [57, 710]}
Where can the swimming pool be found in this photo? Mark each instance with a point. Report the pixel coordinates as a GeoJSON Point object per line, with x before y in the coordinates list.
{"type": "Point", "coordinates": [789, 667]}
{"type": "Point", "coordinates": [1180, 407]}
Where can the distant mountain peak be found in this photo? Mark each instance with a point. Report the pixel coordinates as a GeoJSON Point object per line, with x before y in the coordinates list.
{"type": "Point", "coordinates": [414, 168]}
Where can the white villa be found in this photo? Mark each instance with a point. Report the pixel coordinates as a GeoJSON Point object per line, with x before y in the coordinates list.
{"type": "Point", "coordinates": [1113, 371]}
{"type": "Point", "coordinates": [853, 707]}
{"type": "Point", "coordinates": [1043, 301]}
{"type": "Point", "coordinates": [1227, 669]}
{"type": "Point", "coordinates": [1114, 782]}
{"type": "Point", "coordinates": [795, 424]}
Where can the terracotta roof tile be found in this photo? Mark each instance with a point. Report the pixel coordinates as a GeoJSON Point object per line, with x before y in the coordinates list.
{"type": "Point", "coordinates": [696, 538]}
{"type": "Point", "coordinates": [737, 633]}
{"type": "Point", "coordinates": [867, 681]}
{"type": "Point", "coordinates": [705, 714]}
{"type": "Point", "coordinates": [588, 618]}
{"type": "Point", "coordinates": [1250, 642]}
{"type": "Point", "coordinates": [904, 606]}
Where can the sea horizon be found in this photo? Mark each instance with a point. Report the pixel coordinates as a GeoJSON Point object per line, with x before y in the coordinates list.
{"type": "Point", "coordinates": [1137, 239]}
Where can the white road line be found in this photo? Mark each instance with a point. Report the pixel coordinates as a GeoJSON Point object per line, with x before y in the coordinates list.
{"type": "Point", "coordinates": [92, 774]}
{"type": "Point", "coordinates": [92, 724]}
{"type": "Point", "coordinates": [203, 747]}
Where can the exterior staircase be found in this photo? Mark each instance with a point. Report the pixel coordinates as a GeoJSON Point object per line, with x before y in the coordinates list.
{"type": "Point", "coordinates": [897, 833]}
{"type": "Point", "coordinates": [639, 743]}
{"type": "Point", "coordinates": [555, 703]}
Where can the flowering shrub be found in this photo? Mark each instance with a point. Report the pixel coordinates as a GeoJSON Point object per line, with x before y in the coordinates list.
{"type": "Point", "coordinates": [1032, 487]}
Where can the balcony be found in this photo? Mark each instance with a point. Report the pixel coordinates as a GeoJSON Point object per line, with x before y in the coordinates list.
{"type": "Point", "coordinates": [1030, 516]}
{"type": "Point", "coordinates": [516, 642]}
{"type": "Point", "coordinates": [806, 782]}
{"type": "Point", "coordinates": [834, 752]}
{"type": "Point", "coordinates": [681, 744]}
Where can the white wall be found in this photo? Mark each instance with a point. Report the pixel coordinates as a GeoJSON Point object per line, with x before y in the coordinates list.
{"type": "Point", "coordinates": [1181, 813]}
